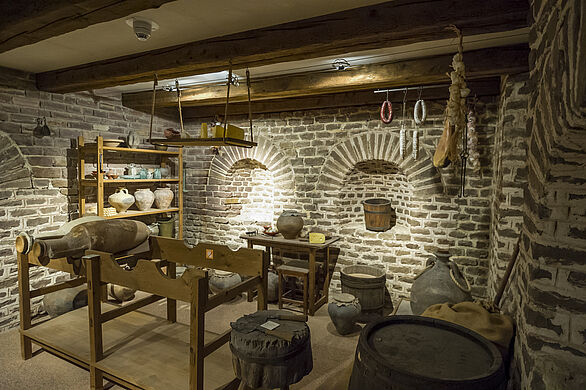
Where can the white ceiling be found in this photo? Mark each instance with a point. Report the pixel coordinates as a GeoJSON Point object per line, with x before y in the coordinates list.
{"type": "Point", "coordinates": [179, 22]}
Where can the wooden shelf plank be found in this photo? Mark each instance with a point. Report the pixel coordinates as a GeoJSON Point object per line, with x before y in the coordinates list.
{"type": "Point", "coordinates": [205, 142]}
{"type": "Point", "coordinates": [94, 182]}
{"type": "Point", "coordinates": [130, 150]}
{"type": "Point", "coordinates": [137, 213]}
{"type": "Point", "coordinates": [139, 348]}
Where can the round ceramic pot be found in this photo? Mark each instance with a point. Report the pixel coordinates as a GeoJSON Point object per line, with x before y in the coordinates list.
{"type": "Point", "coordinates": [62, 301]}
{"type": "Point", "coordinates": [144, 198]}
{"type": "Point", "coordinates": [344, 311]}
{"type": "Point", "coordinates": [222, 280]}
{"type": "Point", "coordinates": [165, 172]}
{"type": "Point", "coordinates": [272, 286]}
{"type": "Point", "coordinates": [121, 200]}
{"type": "Point", "coordinates": [440, 282]}
{"type": "Point", "coordinates": [163, 197]}
{"type": "Point", "coordinates": [121, 293]}
{"type": "Point", "coordinates": [290, 224]}
{"type": "Point", "coordinates": [133, 140]}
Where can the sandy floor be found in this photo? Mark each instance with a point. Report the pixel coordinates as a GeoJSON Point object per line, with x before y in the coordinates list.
{"type": "Point", "coordinates": [332, 354]}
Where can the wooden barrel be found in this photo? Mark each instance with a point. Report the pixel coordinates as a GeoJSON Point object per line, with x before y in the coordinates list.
{"type": "Point", "coordinates": [413, 352]}
{"type": "Point", "coordinates": [367, 284]}
{"type": "Point", "coordinates": [377, 214]}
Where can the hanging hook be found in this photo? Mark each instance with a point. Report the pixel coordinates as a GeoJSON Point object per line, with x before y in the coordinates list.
{"type": "Point", "coordinates": [405, 95]}
{"type": "Point", "coordinates": [420, 92]}
{"type": "Point", "coordinates": [387, 95]}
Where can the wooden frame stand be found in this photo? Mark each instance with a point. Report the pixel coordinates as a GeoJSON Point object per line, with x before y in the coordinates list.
{"type": "Point", "coordinates": [134, 349]}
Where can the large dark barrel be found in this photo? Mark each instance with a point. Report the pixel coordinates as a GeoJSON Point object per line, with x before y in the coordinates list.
{"type": "Point", "coordinates": [366, 283]}
{"type": "Point", "coordinates": [377, 214]}
{"type": "Point", "coordinates": [413, 352]}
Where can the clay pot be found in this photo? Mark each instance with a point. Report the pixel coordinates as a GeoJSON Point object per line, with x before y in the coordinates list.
{"type": "Point", "coordinates": [121, 293]}
{"type": "Point", "coordinates": [144, 198]}
{"type": "Point", "coordinates": [121, 200]}
{"type": "Point", "coordinates": [290, 224]}
{"type": "Point", "coordinates": [344, 311]}
{"type": "Point", "coordinates": [165, 172]}
{"type": "Point", "coordinates": [272, 286]}
{"type": "Point", "coordinates": [62, 301]}
{"type": "Point", "coordinates": [222, 280]}
{"type": "Point", "coordinates": [440, 282]}
{"type": "Point", "coordinates": [163, 197]}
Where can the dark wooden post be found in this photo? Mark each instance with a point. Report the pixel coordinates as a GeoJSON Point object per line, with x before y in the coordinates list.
{"type": "Point", "coordinates": [92, 263]}
{"type": "Point", "coordinates": [199, 293]}
{"type": "Point", "coordinates": [171, 303]}
{"type": "Point", "coordinates": [24, 294]}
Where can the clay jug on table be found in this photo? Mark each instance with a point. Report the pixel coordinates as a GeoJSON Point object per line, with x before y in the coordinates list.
{"type": "Point", "coordinates": [163, 197]}
{"type": "Point", "coordinates": [121, 200]}
{"type": "Point", "coordinates": [144, 198]}
{"type": "Point", "coordinates": [290, 224]}
{"type": "Point", "coordinates": [440, 282]}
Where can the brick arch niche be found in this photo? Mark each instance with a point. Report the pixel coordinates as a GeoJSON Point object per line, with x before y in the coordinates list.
{"type": "Point", "coordinates": [246, 188]}
{"type": "Point", "coordinates": [369, 166]}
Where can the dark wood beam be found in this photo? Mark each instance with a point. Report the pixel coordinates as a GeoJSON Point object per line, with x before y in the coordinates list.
{"type": "Point", "coordinates": [482, 87]}
{"type": "Point", "coordinates": [431, 70]}
{"type": "Point", "coordinates": [390, 24]}
{"type": "Point", "coordinates": [29, 21]}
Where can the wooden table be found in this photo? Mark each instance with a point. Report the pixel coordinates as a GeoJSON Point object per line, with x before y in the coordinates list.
{"type": "Point", "coordinates": [300, 245]}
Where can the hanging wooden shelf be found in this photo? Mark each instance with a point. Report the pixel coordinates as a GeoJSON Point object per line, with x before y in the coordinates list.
{"type": "Point", "coordinates": [204, 142]}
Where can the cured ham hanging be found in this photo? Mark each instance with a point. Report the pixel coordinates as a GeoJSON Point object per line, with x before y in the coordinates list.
{"type": "Point", "coordinates": [455, 113]}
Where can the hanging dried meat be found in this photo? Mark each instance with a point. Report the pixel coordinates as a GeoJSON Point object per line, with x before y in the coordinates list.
{"type": "Point", "coordinates": [474, 155]}
{"type": "Point", "coordinates": [455, 113]}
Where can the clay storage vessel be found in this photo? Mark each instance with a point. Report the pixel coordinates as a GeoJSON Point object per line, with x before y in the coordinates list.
{"type": "Point", "coordinates": [290, 224]}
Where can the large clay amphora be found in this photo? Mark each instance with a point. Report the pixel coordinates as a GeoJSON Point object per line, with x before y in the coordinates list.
{"type": "Point", "coordinates": [440, 282]}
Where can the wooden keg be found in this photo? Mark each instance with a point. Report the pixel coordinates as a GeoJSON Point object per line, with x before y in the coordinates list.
{"type": "Point", "coordinates": [413, 352]}
{"type": "Point", "coordinates": [378, 214]}
{"type": "Point", "coordinates": [366, 283]}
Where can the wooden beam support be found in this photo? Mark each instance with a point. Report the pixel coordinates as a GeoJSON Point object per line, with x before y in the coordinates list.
{"type": "Point", "coordinates": [30, 21]}
{"type": "Point", "coordinates": [389, 24]}
{"type": "Point", "coordinates": [482, 87]}
{"type": "Point", "coordinates": [431, 70]}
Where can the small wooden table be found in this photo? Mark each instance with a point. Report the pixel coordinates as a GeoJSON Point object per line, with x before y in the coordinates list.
{"type": "Point", "coordinates": [300, 245]}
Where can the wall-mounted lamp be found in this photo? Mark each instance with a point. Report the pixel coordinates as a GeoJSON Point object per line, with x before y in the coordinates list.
{"type": "Point", "coordinates": [340, 64]}
{"type": "Point", "coordinates": [41, 129]}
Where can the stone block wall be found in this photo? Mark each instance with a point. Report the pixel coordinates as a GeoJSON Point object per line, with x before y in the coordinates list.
{"type": "Point", "coordinates": [549, 288]}
{"type": "Point", "coordinates": [325, 162]}
{"type": "Point", "coordinates": [38, 188]}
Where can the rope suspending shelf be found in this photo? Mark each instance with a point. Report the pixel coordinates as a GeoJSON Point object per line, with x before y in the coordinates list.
{"type": "Point", "coordinates": [217, 141]}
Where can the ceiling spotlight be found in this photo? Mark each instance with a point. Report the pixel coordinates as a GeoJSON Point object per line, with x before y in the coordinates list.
{"type": "Point", "coordinates": [142, 27]}
{"type": "Point", "coordinates": [340, 64]}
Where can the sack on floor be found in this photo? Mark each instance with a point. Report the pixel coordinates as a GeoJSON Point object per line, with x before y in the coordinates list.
{"type": "Point", "coordinates": [495, 327]}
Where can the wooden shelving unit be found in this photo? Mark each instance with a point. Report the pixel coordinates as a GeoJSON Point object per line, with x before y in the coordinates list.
{"type": "Point", "coordinates": [99, 153]}
{"type": "Point", "coordinates": [205, 142]}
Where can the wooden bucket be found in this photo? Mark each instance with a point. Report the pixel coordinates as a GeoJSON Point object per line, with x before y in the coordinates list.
{"type": "Point", "coordinates": [413, 352]}
{"type": "Point", "coordinates": [367, 284]}
{"type": "Point", "coordinates": [377, 214]}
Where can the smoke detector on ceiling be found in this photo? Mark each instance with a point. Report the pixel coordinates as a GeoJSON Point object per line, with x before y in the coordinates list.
{"type": "Point", "coordinates": [142, 27]}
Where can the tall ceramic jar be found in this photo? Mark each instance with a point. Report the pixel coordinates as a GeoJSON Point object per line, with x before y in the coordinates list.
{"type": "Point", "coordinates": [344, 310]}
{"type": "Point", "coordinates": [144, 198]}
{"type": "Point", "coordinates": [121, 200]}
{"type": "Point", "coordinates": [440, 282]}
{"type": "Point", "coordinates": [163, 197]}
{"type": "Point", "coordinates": [290, 224]}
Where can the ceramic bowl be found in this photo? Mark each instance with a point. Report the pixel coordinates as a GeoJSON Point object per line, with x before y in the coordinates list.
{"type": "Point", "coordinates": [112, 143]}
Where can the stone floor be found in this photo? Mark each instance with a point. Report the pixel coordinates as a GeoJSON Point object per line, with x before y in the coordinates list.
{"type": "Point", "coordinates": [332, 354]}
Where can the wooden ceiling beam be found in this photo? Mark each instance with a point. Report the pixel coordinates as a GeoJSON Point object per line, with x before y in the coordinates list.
{"type": "Point", "coordinates": [431, 70]}
{"type": "Point", "coordinates": [390, 24]}
{"type": "Point", "coordinates": [30, 21]}
{"type": "Point", "coordinates": [482, 87]}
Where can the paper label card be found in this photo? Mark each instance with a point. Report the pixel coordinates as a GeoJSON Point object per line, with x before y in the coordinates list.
{"type": "Point", "coordinates": [209, 254]}
{"type": "Point", "coordinates": [270, 325]}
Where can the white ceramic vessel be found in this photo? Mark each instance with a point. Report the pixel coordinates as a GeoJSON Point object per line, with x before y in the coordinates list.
{"type": "Point", "coordinates": [144, 198]}
{"type": "Point", "coordinates": [163, 197]}
{"type": "Point", "coordinates": [121, 200]}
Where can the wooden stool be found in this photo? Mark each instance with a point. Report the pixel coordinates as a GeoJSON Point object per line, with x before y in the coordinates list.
{"type": "Point", "coordinates": [262, 360]}
{"type": "Point", "coordinates": [296, 272]}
